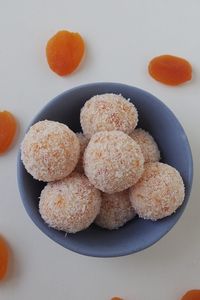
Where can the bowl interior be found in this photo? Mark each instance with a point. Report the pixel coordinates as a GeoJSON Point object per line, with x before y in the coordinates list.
{"type": "Point", "coordinates": [137, 234]}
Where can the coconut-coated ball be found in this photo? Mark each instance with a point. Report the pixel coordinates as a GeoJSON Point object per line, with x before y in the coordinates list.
{"type": "Point", "coordinates": [116, 210]}
{"type": "Point", "coordinates": [108, 112]}
{"type": "Point", "coordinates": [147, 144]}
{"type": "Point", "coordinates": [113, 161]}
{"type": "Point", "coordinates": [50, 151]}
{"type": "Point", "coordinates": [158, 193]}
{"type": "Point", "coordinates": [83, 144]}
{"type": "Point", "coordinates": [70, 204]}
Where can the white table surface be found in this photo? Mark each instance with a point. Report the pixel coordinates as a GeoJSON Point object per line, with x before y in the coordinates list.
{"type": "Point", "coordinates": [121, 37]}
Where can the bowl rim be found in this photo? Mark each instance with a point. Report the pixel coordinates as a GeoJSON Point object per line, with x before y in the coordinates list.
{"type": "Point", "coordinates": [53, 235]}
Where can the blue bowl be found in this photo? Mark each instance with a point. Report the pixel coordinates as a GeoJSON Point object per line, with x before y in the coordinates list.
{"type": "Point", "coordinates": [137, 234]}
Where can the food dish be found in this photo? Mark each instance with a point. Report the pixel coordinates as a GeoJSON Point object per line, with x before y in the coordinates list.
{"type": "Point", "coordinates": [70, 204]}
{"type": "Point", "coordinates": [83, 141]}
{"type": "Point", "coordinates": [158, 193]}
{"type": "Point", "coordinates": [113, 161]}
{"type": "Point", "coordinates": [116, 210]}
{"type": "Point", "coordinates": [50, 150]}
{"type": "Point", "coordinates": [108, 111]}
{"type": "Point", "coordinates": [147, 144]}
{"type": "Point", "coordinates": [137, 234]}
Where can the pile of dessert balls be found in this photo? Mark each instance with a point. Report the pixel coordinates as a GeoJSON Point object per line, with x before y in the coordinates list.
{"type": "Point", "coordinates": [107, 174]}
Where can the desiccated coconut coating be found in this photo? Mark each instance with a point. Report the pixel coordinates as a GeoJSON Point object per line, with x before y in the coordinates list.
{"type": "Point", "coordinates": [83, 144]}
{"type": "Point", "coordinates": [108, 112]}
{"type": "Point", "coordinates": [70, 204]}
{"type": "Point", "coordinates": [50, 151]}
{"type": "Point", "coordinates": [147, 144]}
{"type": "Point", "coordinates": [116, 210]}
{"type": "Point", "coordinates": [158, 193]}
{"type": "Point", "coordinates": [113, 161]}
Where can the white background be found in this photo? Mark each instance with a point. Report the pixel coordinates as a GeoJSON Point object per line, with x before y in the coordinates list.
{"type": "Point", "coordinates": [121, 37]}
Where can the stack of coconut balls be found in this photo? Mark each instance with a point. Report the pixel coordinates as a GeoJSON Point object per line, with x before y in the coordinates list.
{"type": "Point", "coordinates": [107, 174]}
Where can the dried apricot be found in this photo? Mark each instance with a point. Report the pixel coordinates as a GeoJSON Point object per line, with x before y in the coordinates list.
{"type": "Point", "coordinates": [169, 69]}
{"type": "Point", "coordinates": [4, 256]}
{"type": "Point", "coordinates": [64, 52]}
{"type": "Point", "coordinates": [8, 126]}
{"type": "Point", "coordinates": [192, 295]}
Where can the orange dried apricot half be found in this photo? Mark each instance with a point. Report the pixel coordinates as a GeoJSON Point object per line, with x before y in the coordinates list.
{"type": "Point", "coordinates": [8, 126]}
{"type": "Point", "coordinates": [169, 69]}
{"type": "Point", "coordinates": [4, 257]}
{"type": "Point", "coordinates": [64, 52]}
{"type": "Point", "coordinates": [192, 295]}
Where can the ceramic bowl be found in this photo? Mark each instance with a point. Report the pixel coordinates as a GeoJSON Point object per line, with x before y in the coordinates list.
{"type": "Point", "coordinates": [137, 234]}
